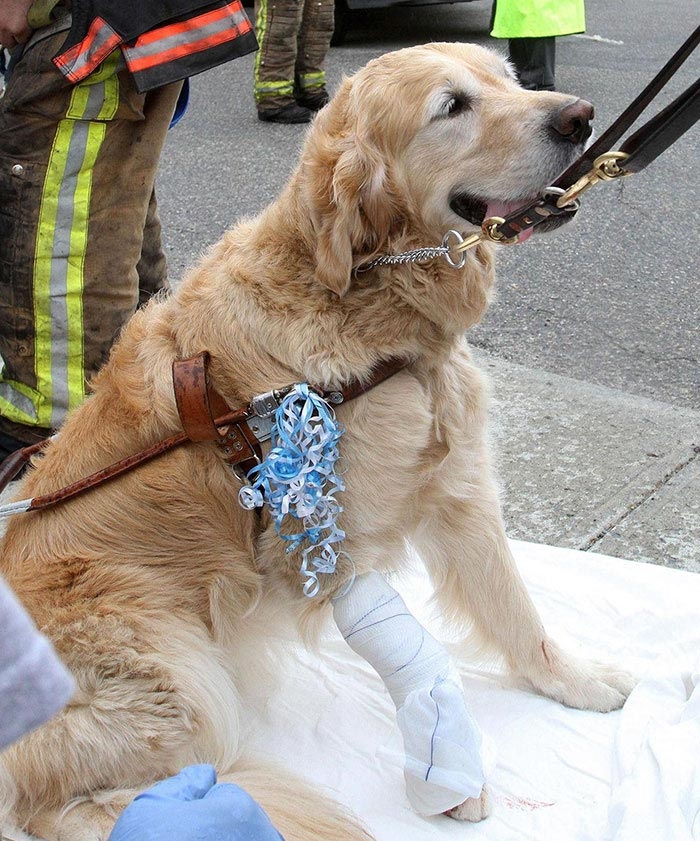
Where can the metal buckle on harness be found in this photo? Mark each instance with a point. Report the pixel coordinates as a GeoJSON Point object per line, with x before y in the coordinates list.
{"type": "Point", "coordinates": [263, 407]}
{"type": "Point", "coordinates": [261, 427]}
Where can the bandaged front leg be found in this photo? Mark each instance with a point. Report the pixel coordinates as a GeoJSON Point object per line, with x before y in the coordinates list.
{"type": "Point", "coordinates": [442, 741]}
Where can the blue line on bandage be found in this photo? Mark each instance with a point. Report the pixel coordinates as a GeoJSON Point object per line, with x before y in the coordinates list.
{"type": "Point", "coordinates": [372, 624]}
{"type": "Point", "coordinates": [432, 738]}
{"type": "Point", "coordinates": [372, 610]}
{"type": "Point", "coordinates": [418, 651]}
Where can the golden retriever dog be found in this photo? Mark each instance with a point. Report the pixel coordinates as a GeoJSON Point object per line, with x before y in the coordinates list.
{"type": "Point", "coordinates": [159, 591]}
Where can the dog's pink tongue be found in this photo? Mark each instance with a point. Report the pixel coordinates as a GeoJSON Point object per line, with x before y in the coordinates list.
{"type": "Point", "coordinates": [504, 209]}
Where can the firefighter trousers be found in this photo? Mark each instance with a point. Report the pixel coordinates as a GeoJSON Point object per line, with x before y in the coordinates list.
{"type": "Point", "coordinates": [294, 37]}
{"type": "Point", "coordinates": [80, 242]}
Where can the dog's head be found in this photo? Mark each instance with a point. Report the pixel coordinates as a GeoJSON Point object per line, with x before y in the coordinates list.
{"type": "Point", "coordinates": [427, 139]}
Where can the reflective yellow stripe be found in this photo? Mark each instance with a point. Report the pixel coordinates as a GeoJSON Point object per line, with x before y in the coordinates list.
{"type": "Point", "coordinates": [261, 89]}
{"type": "Point", "coordinates": [61, 246]}
{"type": "Point", "coordinates": [260, 34]}
{"type": "Point", "coordinates": [97, 103]}
{"type": "Point", "coordinates": [18, 402]}
{"type": "Point", "coordinates": [274, 88]}
{"type": "Point", "coordinates": [312, 80]}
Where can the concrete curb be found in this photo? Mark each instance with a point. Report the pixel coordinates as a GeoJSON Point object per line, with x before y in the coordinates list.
{"type": "Point", "coordinates": [589, 467]}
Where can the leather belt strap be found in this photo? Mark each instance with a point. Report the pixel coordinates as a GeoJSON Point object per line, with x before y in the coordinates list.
{"type": "Point", "coordinates": [199, 403]}
{"type": "Point", "coordinates": [637, 152]}
{"type": "Point", "coordinates": [634, 110]}
{"type": "Point", "coordinates": [13, 463]}
{"type": "Point", "coordinates": [663, 130]}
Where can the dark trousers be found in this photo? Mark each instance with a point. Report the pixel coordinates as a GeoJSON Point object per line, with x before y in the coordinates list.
{"type": "Point", "coordinates": [534, 60]}
{"type": "Point", "coordinates": [294, 38]}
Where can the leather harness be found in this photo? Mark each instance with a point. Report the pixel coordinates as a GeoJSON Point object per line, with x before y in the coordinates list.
{"type": "Point", "coordinates": [205, 416]}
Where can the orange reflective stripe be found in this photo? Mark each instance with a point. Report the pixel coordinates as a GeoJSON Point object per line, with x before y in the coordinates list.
{"type": "Point", "coordinates": [158, 46]}
{"type": "Point", "coordinates": [136, 64]}
{"type": "Point", "coordinates": [187, 37]}
{"type": "Point", "coordinates": [173, 29]}
{"type": "Point", "coordinates": [82, 59]}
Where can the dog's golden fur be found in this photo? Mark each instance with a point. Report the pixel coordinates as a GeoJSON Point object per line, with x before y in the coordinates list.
{"type": "Point", "coordinates": [157, 588]}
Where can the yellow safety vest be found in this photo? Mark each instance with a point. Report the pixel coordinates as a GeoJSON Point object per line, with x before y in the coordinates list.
{"type": "Point", "coordinates": [538, 18]}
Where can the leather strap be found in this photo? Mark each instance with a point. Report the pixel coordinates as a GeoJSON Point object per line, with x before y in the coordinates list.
{"type": "Point", "coordinates": [12, 464]}
{"type": "Point", "coordinates": [198, 404]}
{"type": "Point", "coordinates": [663, 130]}
{"type": "Point", "coordinates": [355, 388]}
{"type": "Point", "coordinates": [633, 111]}
{"type": "Point", "coordinates": [118, 468]}
{"type": "Point", "coordinates": [231, 429]}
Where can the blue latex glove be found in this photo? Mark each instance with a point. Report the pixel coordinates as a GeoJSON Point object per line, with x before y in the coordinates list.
{"type": "Point", "coordinates": [192, 806]}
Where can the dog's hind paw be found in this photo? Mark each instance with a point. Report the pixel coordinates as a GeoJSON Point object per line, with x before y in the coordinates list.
{"type": "Point", "coordinates": [473, 809]}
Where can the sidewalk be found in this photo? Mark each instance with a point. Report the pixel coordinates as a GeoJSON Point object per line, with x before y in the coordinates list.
{"type": "Point", "coordinates": [588, 467]}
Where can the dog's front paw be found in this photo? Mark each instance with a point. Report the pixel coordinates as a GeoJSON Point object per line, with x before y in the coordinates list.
{"type": "Point", "coordinates": [583, 684]}
{"type": "Point", "coordinates": [473, 809]}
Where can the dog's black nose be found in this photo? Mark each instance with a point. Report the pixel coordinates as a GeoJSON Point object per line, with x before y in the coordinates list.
{"type": "Point", "coordinates": [572, 122]}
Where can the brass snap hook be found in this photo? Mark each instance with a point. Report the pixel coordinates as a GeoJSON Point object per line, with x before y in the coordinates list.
{"type": "Point", "coordinates": [490, 228]}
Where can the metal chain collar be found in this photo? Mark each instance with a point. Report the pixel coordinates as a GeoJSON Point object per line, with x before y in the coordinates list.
{"type": "Point", "coordinates": [422, 255]}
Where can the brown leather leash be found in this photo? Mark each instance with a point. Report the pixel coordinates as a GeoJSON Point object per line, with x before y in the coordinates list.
{"type": "Point", "coordinates": [600, 162]}
{"type": "Point", "coordinates": [205, 416]}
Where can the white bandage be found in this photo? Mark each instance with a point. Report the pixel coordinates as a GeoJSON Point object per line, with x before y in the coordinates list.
{"type": "Point", "coordinates": [441, 740]}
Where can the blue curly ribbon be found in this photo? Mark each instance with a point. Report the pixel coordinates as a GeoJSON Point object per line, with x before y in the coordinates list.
{"type": "Point", "coordinates": [297, 481]}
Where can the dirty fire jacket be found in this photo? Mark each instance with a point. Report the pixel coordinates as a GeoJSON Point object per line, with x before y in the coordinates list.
{"type": "Point", "coordinates": [162, 40]}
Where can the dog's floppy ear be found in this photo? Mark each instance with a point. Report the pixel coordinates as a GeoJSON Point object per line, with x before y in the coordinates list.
{"type": "Point", "coordinates": [351, 203]}
{"type": "Point", "coordinates": [347, 225]}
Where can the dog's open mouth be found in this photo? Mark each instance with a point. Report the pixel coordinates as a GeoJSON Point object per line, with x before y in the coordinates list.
{"type": "Point", "coordinates": [474, 210]}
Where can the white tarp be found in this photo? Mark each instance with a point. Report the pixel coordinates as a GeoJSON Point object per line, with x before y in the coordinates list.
{"type": "Point", "coordinates": [558, 774]}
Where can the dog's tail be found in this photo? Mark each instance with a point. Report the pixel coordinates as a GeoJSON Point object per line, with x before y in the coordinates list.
{"type": "Point", "coordinates": [298, 810]}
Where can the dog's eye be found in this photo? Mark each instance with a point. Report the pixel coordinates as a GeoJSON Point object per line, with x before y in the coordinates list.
{"type": "Point", "coordinates": [455, 105]}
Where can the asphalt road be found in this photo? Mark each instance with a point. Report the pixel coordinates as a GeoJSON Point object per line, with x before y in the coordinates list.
{"type": "Point", "coordinates": [613, 299]}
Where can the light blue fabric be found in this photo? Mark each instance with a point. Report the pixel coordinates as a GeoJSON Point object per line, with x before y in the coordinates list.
{"type": "Point", "coordinates": [298, 482]}
{"type": "Point", "coordinates": [192, 806]}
